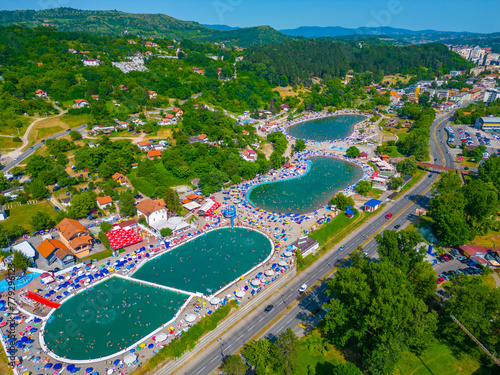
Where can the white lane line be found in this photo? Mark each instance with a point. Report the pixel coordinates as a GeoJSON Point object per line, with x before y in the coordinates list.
{"type": "Point", "coordinates": [228, 346]}
{"type": "Point", "coordinates": [213, 359]}
{"type": "Point", "coordinates": [201, 369]}
{"type": "Point", "coordinates": [261, 318]}
{"type": "Point", "coordinates": [280, 329]}
{"type": "Point", "coordinates": [249, 329]}
{"type": "Point", "coordinates": [239, 337]}
{"type": "Point", "coordinates": [290, 320]}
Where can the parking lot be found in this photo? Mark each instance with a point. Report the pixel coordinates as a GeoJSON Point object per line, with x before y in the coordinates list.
{"type": "Point", "coordinates": [453, 267]}
{"type": "Point", "coordinates": [474, 137]}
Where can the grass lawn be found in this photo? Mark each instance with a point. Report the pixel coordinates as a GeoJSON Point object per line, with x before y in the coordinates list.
{"type": "Point", "coordinates": [323, 357]}
{"type": "Point", "coordinates": [8, 143]}
{"type": "Point", "coordinates": [394, 152]}
{"type": "Point", "coordinates": [74, 121]}
{"type": "Point", "coordinates": [438, 359]}
{"type": "Point", "coordinates": [338, 228]}
{"type": "Point", "coordinates": [100, 255]}
{"type": "Point", "coordinates": [22, 215]}
{"type": "Point", "coordinates": [392, 79]}
{"type": "Point", "coordinates": [4, 363]}
{"type": "Point", "coordinates": [148, 185]}
{"type": "Point", "coordinates": [416, 178]}
{"type": "Point", "coordinates": [490, 239]}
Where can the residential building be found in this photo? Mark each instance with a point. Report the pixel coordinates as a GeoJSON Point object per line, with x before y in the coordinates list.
{"type": "Point", "coordinates": [3, 213]}
{"type": "Point", "coordinates": [80, 103]}
{"type": "Point", "coordinates": [118, 177]}
{"type": "Point", "coordinates": [66, 202]}
{"type": "Point", "coordinates": [144, 145]}
{"type": "Point", "coordinates": [75, 237]}
{"type": "Point", "coordinates": [178, 112]}
{"type": "Point", "coordinates": [153, 211]}
{"type": "Point", "coordinates": [491, 95]}
{"type": "Point", "coordinates": [123, 88]}
{"type": "Point", "coordinates": [198, 138]}
{"type": "Point", "coordinates": [306, 245]}
{"type": "Point", "coordinates": [40, 94]}
{"type": "Point", "coordinates": [54, 251]}
{"type": "Point", "coordinates": [152, 94]}
{"type": "Point", "coordinates": [154, 154]}
{"type": "Point", "coordinates": [488, 124]}
{"type": "Point", "coordinates": [95, 97]}
{"type": "Point", "coordinates": [168, 119]}
{"type": "Point", "coordinates": [249, 155]}
{"type": "Point", "coordinates": [91, 62]}
{"type": "Point", "coordinates": [104, 202]}
{"type": "Point", "coordinates": [26, 249]}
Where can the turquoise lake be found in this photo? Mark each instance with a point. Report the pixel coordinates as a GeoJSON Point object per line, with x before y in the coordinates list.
{"type": "Point", "coordinates": [308, 192]}
{"type": "Point", "coordinates": [326, 129]}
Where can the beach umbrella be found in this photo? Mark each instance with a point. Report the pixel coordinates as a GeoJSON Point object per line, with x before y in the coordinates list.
{"type": "Point", "coordinates": [110, 371]}
{"type": "Point", "coordinates": [57, 366]}
{"type": "Point", "coordinates": [190, 318]}
{"type": "Point", "coordinates": [282, 263]}
{"type": "Point", "coordinates": [70, 367]}
{"type": "Point", "coordinates": [150, 346]}
{"type": "Point", "coordinates": [255, 282]}
{"type": "Point", "coordinates": [287, 254]}
{"type": "Point", "coordinates": [89, 370]}
{"type": "Point", "coordinates": [215, 301]}
{"type": "Point", "coordinates": [47, 365]}
{"type": "Point", "coordinates": [240, 294]}
{"type": "Point", "coordinates": [161, 337]}
{"type": "Point", "coordinates": [269, 273]}
{"type": "Point", "coordinates": [129, 358]}
{"type": "Point", "coordinates": [116, 362]}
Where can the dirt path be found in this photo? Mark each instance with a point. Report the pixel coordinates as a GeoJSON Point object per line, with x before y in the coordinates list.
{"type": "Point", "coordinates": [14, 154]}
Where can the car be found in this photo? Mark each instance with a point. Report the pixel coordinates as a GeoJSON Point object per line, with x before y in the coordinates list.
{"type": "Point", "coordinates": [440, 280]}
{"type": "Point", "coordinates": [389, 215]}
{"type": "Point", "coordinates": [316, 311]}
{"type": "Point", "coordinates": [269, 308]}
{"type": "Point", "coordinates": [31, 148]}
{"type": "Point", "coordinates": [445, 258]}
{"type": "Point", "coordinates": [397, 226]}
{"type": "Point", "coordinates": [16, 158]}
{"type": "Point", "coordinates": [303, 288]}
{"type": "Point", "coordinates": [435, 159]}
{"type": "Point", "coordinates": [97, 241]}
{"type": "Point", "coordinates": [454, 252]}
{"type": "Point", "coordinates": [56, 208]}
{"type": "Point", "coordinates": [460, 258]}
{"type": "Point", "coordinates": [441, 292]}
{"type": "Point", "coordinates": [471, 264]}
{"type": "Point", "coordinates": [341, 247]}
{"type": "Point", "coordinates": [429, 176]}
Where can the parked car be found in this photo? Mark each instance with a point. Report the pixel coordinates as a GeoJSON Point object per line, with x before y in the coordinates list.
{"type": "Point", "coordinates": [440, 280]}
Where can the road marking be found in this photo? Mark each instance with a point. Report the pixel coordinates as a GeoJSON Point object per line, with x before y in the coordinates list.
{"type": "Point", "coordinates": [239, 337]}
{"type": "Point", "coordinates": [280, 329]}
{"type": "Point", "coordinates": [214, 359]}
{"type": "Point", "coordinates": [201, 369]}
{"type": "Point", "coordinates": [261, 318]}
{"type": "Point", "coordinates": [228, 346]}
{"type": "Point", "coordinates": [290, 320]}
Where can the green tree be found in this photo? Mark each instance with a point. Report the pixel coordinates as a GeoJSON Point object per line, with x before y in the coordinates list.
{"type": "Point", "coordinates": [126, 203]}
{"type": "Point", "coordinates": [106, 227]}
{"type": "Point", "coordinates": [75, 135]}
{"type": "Point", "coordinates": [287, 352]}
{"type": "Point", "coordinates": [400, 248]}
{"type": "Point", "coordinates": [171, 199]}
{"type": "Point", "coordinates": [342, 202]}
{"type": "Point", "coordinates": [42, 221]}
{"type": "Point", "coordinates": [234, 365]}
{"type": "Point", "coordinates": [259, 353]}
{"type": "Point", "coordinates": [20, 261]}
{"type": "Point", "coordinates": [165, 232]}
{"type": "Point", "coordinates": [347, 368]}
{"type": "Point", "coordinates": [300, 145]}
{"type": "Point", "coordinates": [37, 189]}
{"type": "Point", "coordinates": [363, 187]}
{"type": "Point", "coordinates": [408, 166]}
{"type": "Point", "coordinates": [82, 204]}
{"type": "Point", "coordinates": [396, 182]}
{"type": "Point", "coordinates": [353, 152]}
{"type": "Point", "coordinates": [490, 171]}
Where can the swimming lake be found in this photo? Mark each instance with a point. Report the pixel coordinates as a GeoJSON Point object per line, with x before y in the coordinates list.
{"type": "Point", "coordinates": [326, 129]}
{"type": "Point", "coordinates": [108, 318]}
{"type": "Point", "coordinates": [208, 262]}
{"type": "Point", "coordinates": [304, 194]}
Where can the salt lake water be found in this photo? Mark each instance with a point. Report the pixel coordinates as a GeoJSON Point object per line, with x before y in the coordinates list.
{"type": "Point", "coordinates": [326, 129]}
{"type": "Point", "coordinates": [208, 262]}
{"type": "Point", "coordinates": [109, 317]}
{"type": "Point", "coordinates": [326, 176]}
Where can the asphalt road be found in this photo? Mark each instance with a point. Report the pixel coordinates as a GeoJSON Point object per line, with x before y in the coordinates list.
{"type": "Point", "coordinates": [301, 318]}
{"type": "Point", "coordinates": [33, 148]}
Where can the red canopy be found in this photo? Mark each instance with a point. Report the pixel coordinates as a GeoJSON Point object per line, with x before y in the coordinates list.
{"type": "Point", "coordinates": [119, 238]}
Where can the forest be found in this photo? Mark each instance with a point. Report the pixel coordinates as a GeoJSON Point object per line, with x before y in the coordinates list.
{"type": "Point", "coordinates": [300, 61]}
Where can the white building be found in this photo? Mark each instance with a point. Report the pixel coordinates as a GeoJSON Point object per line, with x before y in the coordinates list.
{"type": "Point", "coordinates": [91, 62]}
{"type": "Point", "coordinates": [154, 211]}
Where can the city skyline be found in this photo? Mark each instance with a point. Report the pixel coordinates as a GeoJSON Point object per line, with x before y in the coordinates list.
{"type": "Point", "coordinates": [288, 14]}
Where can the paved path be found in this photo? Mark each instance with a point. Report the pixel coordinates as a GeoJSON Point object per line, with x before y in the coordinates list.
{"type": "Point", "coordinates": [497, 279]}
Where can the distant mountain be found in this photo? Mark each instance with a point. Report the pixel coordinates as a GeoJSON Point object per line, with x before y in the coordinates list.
{"type": "Point", "coordinates": [333, 31]}
{"type": "Point", "coordinates": [112, 22]}
{"type": "Point", "coordinates": [221, 27]}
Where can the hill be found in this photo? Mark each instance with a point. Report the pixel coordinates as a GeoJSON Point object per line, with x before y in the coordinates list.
{"type": "Point", "coordinates": [333, 31]}
{"type": "Point", "coordinates": [221, 27]}
{"type": "Point", "coordinates": [112, 22]}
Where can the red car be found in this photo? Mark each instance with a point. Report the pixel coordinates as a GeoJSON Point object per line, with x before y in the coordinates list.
{"type": "Point", "coordinates": [389, 215]}
{"type": "Point", "coordinates": [440, 280]}
{"type": "Point", "coordinates": [446, 257]}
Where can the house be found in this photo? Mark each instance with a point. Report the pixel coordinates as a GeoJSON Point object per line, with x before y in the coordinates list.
{"type": "Point", "coordinates": [154, 154]}
{"type": "Point", "coordinates": [66, 202]}
{"type": "Point", "coordinates": [91, 62]}
{"type": "Point", "coordinates": [103, 202]}
{"type": "Point", "coordinates": [363, 155]}
{"type": "Point", "coordinates": [144, 145]}
{"type": "Point", "coordinates": [95, 97]}
{"type": "Point", "coordinates": [134, 165]}
{"type": "Point", "coordinates": [372, 205]}
{"type": "Point", "coordinates": [118, 177]}
{"type": "Point", "coordinates": [152, 94]}
{"type": "Point", "coordinates": [384, 157]}
{"type": "Point", "coordinates": [153, 211]}
{"type": "Point", "coordinates": [75, 237]}
{"type": "Point", "coordinates": [131, 41]}
{"type": "Point", "coordinates": [40, 94]}
{"type": "Point", "coordinates": [54, 251]}
{"type": "Point", "coordinates": [349, 212]}
{"type": "Point", "coordinates": [197, 70]}
{"type": "Point", "coordinates": [168, 119]}
{"type": "Point", "coordinates": [80, 103]}
{"type": "Point", "coordinates": [245, 132]}
{"type": "Point", "coordinates": [123, 88]}
{"type": "Point", "coordinates": [249, 155]}
{"type": "Point", "coordinates": [178, 112]}
{"type": "Point", "coordinates": [198, 138]}
{"type": "Point", "coordinates": [3, 213]}
{"type": "Point", "coordinates": [306, 245]}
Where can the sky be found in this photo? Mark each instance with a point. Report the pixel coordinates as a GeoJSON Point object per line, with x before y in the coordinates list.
{"type": "Point", "coordinates": [444, 15]}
